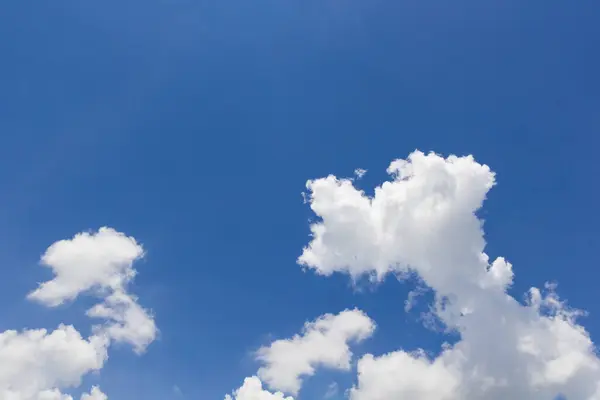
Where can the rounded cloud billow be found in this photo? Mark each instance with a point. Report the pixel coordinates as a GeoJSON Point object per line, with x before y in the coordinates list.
{"type": "Point", "coordinates": [101, 261]}
{"type": "Point", "coordinates": [422, 220]}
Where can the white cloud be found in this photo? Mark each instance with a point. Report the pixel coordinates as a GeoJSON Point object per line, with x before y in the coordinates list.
{"type": "Point", "coordinates": [323, 342]}
{"type": "Point", "coordinates": [34, 361]}
{"type": "Point", "coordinates": [359, 172]}
{"type": "Point", "coordinates": [405, 376]}
{"type": "Point", "coordinates": [101, 261]}
{"type": "Point", "coordinates": [38, 365]}
{"type": "Point", "coordinates": [127, 321]}
{"type": "Point", "coordinates": [95, 394]}
{"type": "Point", "coordinates": [422, 221]}
{"type": "Point", "coordinates": [55, 394]}
{"type": "Point", "coordinates": [252, 390]}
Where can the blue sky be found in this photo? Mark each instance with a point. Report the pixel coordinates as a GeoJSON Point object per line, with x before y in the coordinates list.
{"type": "Point", "coordinates": [194, 125]}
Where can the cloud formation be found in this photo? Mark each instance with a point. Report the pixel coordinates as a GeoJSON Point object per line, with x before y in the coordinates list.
{"type": "Point", "coordinates": [126, 320]}
{"type": "Point", "coordinates": [423, 221]}
{"type": "Point", "coordinates": [322, 343]}
{"type": "Point", "coordinates": [34, 363]}
{"type": "Point", "coordinates": [37, 364]}
{"type": "Point", "coordinates": [101, 261]}
{"type": "Point", "coordinates": [252, 390]}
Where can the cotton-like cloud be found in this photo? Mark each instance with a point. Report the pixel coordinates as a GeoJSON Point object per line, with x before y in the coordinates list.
{"type": "Point", "coordinates": [322, 343]}
{"type": "Point", "coordinates": [423, 221]}
{"type": "Point", "coordinates": [38, 365]}
{"type": "Point", "coordinates": [101, 261]}
{"type": "Point", "coordinates": [127, 321]}
{"type": "Point", "coordinates": [359, 172]}
{"type": "Point", "coordinates": [55, 394]}
{"type": "Point", "coordinates": [406, 376]}
{"type": "Point", "coordinates": [95, 394]}
{"type": "Point", "coordinates": [33, 361]}
{"type": "Point", "coordinates": [252, 390]}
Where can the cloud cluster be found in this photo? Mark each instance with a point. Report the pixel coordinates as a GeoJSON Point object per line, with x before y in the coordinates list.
{"type": "Point", "coordinates": [37, 364]}
{"type": "Point", "coordinates": [422, 222]}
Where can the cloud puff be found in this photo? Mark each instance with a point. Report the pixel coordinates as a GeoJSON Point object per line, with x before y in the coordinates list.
{"type": "Point", "coordinates": [95, 394]}
{"type": "Point", "coordinates": [101, 261]}
{"type": "Point", "coordinates": [252, 390]}
{"type": "Point", "coordinates": [403, 375]}
{"type": "Point", "coordinates": [359, 172]}
{"type": "Point", "coordinates": [423, 221]}
{"type": "Point", "coordinates": [127, 321]}
{"type": "Point", "coordinates": [33, 361]}
{"type": "Point", "coordinates": [37, 364]}
{"type": "Point", "coordinates": [324, 342]}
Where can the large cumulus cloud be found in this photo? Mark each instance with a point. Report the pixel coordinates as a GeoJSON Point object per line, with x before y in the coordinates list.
{"type": "Point", "coordinates": [423, 221]}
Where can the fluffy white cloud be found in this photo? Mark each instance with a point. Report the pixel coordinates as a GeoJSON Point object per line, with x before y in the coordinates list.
{"type": "Point", "coordinates": [33, 361]}
{"type": "Point", "coordinates": [95, 394]}
{"type": "Point", "coordinates": [401, 375]}
{"type": "Point", "coordinates": [37, 364]}
{"type": "Point", "coordinates": [252, 390]}
{"type": "Point", "coordinates": [423, 221]}
{"type": "Point", "coordinates": [324, 342]}
{"type": "Point", "coordinates": [101, 261]}
{"type": "Point", "coordinates": [55, 394]}
{"type": "Point", "coordinates": [127, 321]}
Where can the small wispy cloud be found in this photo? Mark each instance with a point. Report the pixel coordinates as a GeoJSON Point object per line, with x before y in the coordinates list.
{"type": "Point", "coordinates": [359, 172]}
{"type": "Point", "coordinates": [177, 391]}
{"type": "Point", "coordinates": [332, 390]}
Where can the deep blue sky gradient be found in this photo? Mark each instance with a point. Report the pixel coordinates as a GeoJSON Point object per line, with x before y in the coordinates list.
{"type": "Point", "coordinates": [194, 125]}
